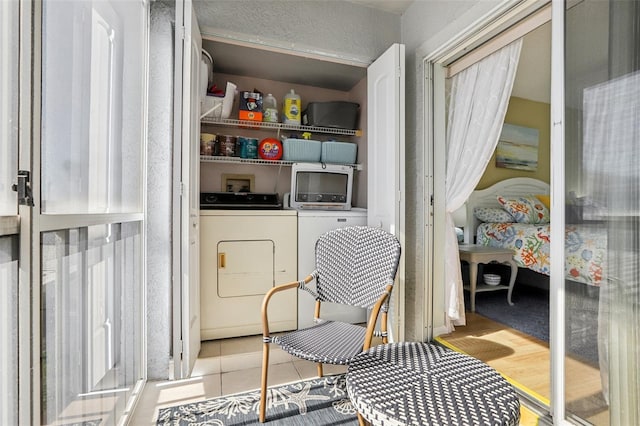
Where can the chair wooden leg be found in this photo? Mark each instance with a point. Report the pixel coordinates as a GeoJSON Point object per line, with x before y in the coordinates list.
{"type": "Point", "coordinates": [320, 373]}
{"type": "Point", "coordinates": [361, 420]}
{"type": "Point", "coordinates": [263, 382]}
{"type": "Point", "coordinates": [383, 328]}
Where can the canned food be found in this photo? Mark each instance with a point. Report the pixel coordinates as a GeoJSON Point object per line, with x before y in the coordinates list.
{"type": "Point", "coordinates": [250, 148]}
{"type": "Point", "coordinates": [227, 145]}
{"type": "Point", "coordinates": [207, 144]}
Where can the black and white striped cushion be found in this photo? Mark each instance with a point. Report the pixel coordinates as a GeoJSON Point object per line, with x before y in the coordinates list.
{"type": "Point", "coordinates": [327, 342]}
{"type": "Point", "coordinates": [416, 383]}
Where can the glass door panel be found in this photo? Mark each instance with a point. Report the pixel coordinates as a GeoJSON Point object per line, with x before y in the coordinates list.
{"type": "Point", "coordinates": [8, 330]}
{"type": "Point", "coordinates": [8, 105]}
{"type": "Point", "coordinates": [602, 140]}
{"type": "Point", "coordinates": [91, 340]}
{"type": "Point", "coordinates": [90, 224]}
{"type": "Point", "coordinates": [93, 91]}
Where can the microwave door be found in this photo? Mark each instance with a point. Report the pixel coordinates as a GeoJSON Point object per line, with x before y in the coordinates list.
{"type": "Point", "coordinates": [321, 187]}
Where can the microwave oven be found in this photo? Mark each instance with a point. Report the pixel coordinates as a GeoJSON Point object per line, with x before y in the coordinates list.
{"type": "Point", "coordinates": [319, 186]}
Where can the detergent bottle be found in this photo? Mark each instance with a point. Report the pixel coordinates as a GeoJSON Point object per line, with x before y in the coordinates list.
{"type": "Point", "coordinates": [270, 108]}
{"type": "Point", "coordinates": [291, 108]}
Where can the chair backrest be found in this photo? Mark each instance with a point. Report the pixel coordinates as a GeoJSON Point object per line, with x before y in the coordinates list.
{"type": "Point", "coordinates": [355, 264]}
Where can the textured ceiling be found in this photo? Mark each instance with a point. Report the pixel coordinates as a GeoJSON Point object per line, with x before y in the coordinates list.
{"type": "Point", "coordinates": [393, 6]}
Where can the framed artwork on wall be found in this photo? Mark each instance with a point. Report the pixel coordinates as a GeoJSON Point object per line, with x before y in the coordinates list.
{"type": "Point", "coordinates": [517, 148]}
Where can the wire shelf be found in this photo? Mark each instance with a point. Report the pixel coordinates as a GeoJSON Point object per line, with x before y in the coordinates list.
{"type": "Point", "coordinates": [249, 161]}
{"type": "Point", "coordinates": [279, 126]}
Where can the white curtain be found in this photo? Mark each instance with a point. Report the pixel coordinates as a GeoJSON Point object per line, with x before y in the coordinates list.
{"type": "Point", "coordinates": [478, 104]}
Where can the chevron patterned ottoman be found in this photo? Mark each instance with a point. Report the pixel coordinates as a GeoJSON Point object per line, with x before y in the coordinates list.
{"type": "Point", "coordinates": [413, 383]}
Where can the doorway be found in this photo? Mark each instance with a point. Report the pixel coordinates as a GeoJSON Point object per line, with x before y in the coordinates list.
{"type": "Point", "coordinates": [585, 197]}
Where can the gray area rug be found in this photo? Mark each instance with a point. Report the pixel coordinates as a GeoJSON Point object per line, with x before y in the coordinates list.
{"type": "Point", "coordinates": [320, 401]}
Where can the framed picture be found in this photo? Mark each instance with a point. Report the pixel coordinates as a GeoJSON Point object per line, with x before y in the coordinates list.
{"type": "Point", "coordinates": [517, 148]}
{"type": "Point", "coordinates": [238, 183]}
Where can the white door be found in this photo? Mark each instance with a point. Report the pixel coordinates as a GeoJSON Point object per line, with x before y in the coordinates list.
{"type": "Point", "coordinates": [186, 344]}
{"type": "Point", "coordinates": [385, 139]}
{"type": "Point", "coordinates": [385, 146]}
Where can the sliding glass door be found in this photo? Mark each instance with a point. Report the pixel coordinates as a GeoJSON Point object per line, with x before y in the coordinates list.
{"type": "Point", "coordinates": [602, 192]}
{"type": "Point", "coordinates": [88, 226]}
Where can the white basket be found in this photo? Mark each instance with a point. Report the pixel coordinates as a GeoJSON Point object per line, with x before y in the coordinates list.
{"type": "Point", "coordinates": [491, 279]}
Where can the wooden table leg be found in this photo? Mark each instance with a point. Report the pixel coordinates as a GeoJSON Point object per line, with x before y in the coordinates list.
{"type": "Point", "coordinates": [473, 278]}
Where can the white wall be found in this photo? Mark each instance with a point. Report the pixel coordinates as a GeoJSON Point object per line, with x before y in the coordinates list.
{"type": "Point", "coordinates": [159, 151]}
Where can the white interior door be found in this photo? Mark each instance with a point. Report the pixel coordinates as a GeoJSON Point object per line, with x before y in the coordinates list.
{"type": "Point", "coordinates": [385, 146]}
{"type": "Point", "coordinates": [187, 189]}
{"type": "Point", "coordinates": [385, 139]}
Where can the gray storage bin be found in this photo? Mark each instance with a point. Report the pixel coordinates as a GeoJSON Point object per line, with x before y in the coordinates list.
{"type": "Point", "coordinates": [301, 150]}
{"type": "Point", "coordinates": [338, 152]}
{"type": "Point", "coordinates": [335, 114]}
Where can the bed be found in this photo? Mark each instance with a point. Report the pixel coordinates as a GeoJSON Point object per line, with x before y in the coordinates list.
{"type": "Point", "coordinates": [504, 207]}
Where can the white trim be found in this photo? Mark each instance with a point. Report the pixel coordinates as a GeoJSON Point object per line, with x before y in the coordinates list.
{"type": "Point", "coordinates": [176, 196]}
{"type": "Point", "coordinates": [501, 40]}
{"type": "Point", "coordinates": [486, 27]}
{"type": "Point", "coordinates": [29, 260]}
{"type": "Point", "coordinates": [53, 222]}
{"type": "Point", "coordinates": [556, 280]}
{"type": "Point", "coordinates": [269, 45]}
{"type": "Point", "coordinates": [438, 188]}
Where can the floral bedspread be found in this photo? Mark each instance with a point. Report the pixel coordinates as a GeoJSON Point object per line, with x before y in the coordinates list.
{"type": "Point", "coordinates": [585, 248]}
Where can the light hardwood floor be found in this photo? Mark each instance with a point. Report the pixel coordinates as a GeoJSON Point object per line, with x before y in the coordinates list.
{"type": "Point", "coordinates": [525, 361]}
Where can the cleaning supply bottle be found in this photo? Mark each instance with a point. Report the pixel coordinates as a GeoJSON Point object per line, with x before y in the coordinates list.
{"type": "Point", "coordinates": [270, 109]}
{"type": "Point", "coordinates": [291, 108]}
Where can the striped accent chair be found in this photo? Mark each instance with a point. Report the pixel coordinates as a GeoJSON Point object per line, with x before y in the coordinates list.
{"type": "Point", "coordinates": [355, 266]}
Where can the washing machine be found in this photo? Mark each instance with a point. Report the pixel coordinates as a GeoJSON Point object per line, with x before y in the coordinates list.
{"type": "Point", "coordinates": [311, 225]}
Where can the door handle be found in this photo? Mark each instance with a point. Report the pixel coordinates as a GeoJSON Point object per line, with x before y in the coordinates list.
{"type": "Point", "coordinates": [222, 260]}
{"type": "Point", "coordinates": [23, 188]}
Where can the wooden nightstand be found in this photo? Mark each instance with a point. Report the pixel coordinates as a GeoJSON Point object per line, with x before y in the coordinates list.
{"type": "Point", "coordinates": [475, 254]}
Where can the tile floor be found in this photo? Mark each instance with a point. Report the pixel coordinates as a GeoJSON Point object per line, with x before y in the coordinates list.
{"type": "Point", "coordinates": [224, 367]}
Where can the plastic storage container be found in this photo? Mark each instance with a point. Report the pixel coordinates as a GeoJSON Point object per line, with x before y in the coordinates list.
{"type": "Point", "coordinates": [338, 152]}
{"type": "Point", "coordinates": [270, 109]}
{"type": "Point", "coordinates": [336, 114]}
{"type": "Point", "coordinates": [270, 149]}
{"type": "Point", "coordinates": [304, 150]}
{"type": "Point", "coordinates": [291, 108]}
